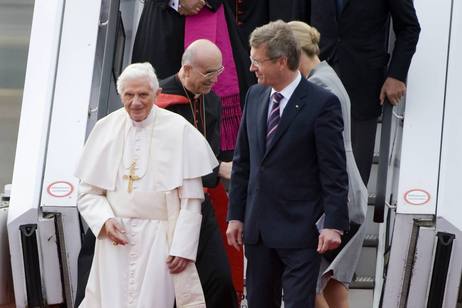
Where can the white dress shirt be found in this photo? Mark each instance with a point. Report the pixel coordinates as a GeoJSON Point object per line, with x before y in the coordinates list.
{"type": "Point", "coordinates": [286, 93]}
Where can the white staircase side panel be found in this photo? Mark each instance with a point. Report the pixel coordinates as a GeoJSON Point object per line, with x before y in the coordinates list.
{"type": "Point", "coordinates": [36, 107]}
{"type": "Point", "coordinates": [424, 110]}
{"type": "Point", "coordinates": [449, 195]}
{"type": "Point", "coordinates": [33, 131]}
{"type": "Point", "coordinates": [70, 102]}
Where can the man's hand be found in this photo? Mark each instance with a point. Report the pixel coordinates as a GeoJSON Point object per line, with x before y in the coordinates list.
{"type": "Point", "coordinates": [328, 239]}
{"type": "Point", "coordinates": [114, 232]}
{"type": "Point", "coordinates": [393, 89]}
{"type": "Point", "coordinates": [177, 264]}
{"type": "Point", "coordinates": [234, 233]}
{"type": "Point", "coordinates": [190, 7]}
{"type": "Point", "coordinates": [224, 171]}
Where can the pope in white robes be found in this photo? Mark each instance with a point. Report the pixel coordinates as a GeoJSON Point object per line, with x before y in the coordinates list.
{"type": "Point", "coordinates": [141, 194]}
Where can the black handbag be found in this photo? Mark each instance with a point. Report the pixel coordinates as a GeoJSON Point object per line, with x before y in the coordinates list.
{"type": "Point", "coordinates": [346, 237]}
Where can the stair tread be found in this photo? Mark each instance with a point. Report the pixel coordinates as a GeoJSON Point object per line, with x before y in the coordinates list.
{"type": "Point", "coordinates": [371, 199]}
{"type": "Point", "coordinates": [371, 240]}
{"type": "Point", "coordinates": [375, 159]}
{"type": "Point", "coordinates": [363, 282]}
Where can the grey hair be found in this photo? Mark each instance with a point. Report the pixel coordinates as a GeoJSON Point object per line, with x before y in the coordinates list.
{"type": "Point", "coordinates": [279, 40]}
{"type": "Point", "coordinates": [138, 71]}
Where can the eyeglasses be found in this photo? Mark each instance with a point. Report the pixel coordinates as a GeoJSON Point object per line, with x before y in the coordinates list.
{"type": "Point", "coordinates": [212, 74]}
{"type": "Point", "coordinates": [258, 63]}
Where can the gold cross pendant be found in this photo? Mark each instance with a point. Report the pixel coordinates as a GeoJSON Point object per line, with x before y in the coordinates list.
{"type": "Point", "coordinates": [131, 177]}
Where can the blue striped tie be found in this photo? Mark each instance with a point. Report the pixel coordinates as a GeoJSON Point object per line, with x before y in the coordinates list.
{"type": "Point", "coordinates": [274, 117]}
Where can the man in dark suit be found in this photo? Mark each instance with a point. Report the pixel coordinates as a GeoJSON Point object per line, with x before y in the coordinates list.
{"type": "Point", "coordinates": [288, 169]}
{"type": "Point", "coordinates": [354, 37]}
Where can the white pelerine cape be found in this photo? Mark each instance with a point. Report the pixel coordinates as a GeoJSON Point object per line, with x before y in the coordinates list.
{"type": "Point", "coordinates": [178, 151]}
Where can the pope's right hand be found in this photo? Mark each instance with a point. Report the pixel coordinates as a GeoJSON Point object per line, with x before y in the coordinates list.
{"type": "Point", "coordinates": [234, 233]}
{"type": "Point", "coordinates": [114, 232]}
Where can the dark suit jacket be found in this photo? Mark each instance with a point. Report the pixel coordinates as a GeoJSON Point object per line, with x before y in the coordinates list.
{"type": "Point", "coordinates": [250, 14]}
{"type": "Point", "coordinates": [355, 45]}
{"type": "Point", "coordinates": [280, 192]}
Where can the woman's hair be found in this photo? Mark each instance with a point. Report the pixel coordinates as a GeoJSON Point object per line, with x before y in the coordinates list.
{"type": "Point", "coordinates": [138, 71]}
{"type": "Point", "coordinates": [307, 36]}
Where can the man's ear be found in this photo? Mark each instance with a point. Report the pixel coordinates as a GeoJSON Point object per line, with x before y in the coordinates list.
{"type": "Point", "coordinates": [187, 68]}
{"type": "Point", "coordinates": [282, 62]}
{"type": "Point", "coordinates": [158, 91]}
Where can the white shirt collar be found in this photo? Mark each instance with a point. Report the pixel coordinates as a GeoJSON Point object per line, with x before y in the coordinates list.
{"type": "Point", "coordinates": [290, 88]}
{"type": "Point", "coordinates": [286, 92]}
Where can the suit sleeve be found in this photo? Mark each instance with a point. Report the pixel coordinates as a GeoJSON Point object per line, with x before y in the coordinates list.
{"type": "Point", "coordinates": [241, 170]}
{"type": "Point", "coordinates": [406, 27]}
{"type": "Point", "coordinates": [332, 164]}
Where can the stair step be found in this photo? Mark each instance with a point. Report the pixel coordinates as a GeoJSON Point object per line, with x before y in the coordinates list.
{"type": "Point", "coordinates": [362, 282]}
{"type": "Point", "coordinates": [371, 226]}
{"type": "Point", "coordinates": [367, 262]}
{"type": "Point", "coordinates": [361, 298]}
{"type": "Point", "coordinates": [375, 158]}
{"type": "Point", "coordinates": [371, 240]}
{"type": "Point", "coordinates": [372, 184]}
{"type": "Point", "coordinates": [371, 199]}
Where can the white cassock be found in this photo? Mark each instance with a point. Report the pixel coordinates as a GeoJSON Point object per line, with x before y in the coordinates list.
{"type": "Point", "coordinates": [162, 215]}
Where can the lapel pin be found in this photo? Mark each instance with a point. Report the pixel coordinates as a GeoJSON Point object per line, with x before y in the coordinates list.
{"type": "Point", "coordinates": [296, 106]}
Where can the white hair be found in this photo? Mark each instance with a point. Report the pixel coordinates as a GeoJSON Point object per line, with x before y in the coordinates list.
{"type": "Point", "coordinates": [138, 71]}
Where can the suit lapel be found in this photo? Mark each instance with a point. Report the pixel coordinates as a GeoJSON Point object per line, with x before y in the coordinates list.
{"type": "Point", "coordinates": [262, 116]}
{"type": "Point", "coordinates": [292, 109]}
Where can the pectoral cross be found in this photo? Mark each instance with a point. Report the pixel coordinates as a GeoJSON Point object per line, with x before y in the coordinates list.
{"type": "Point", "coordinates": [131, 177]}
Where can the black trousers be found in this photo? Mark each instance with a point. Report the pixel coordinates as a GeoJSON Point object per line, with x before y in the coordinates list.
{"type": "Point", "coordinates": [363, 142]}
{"type": "Point", "coordinates": [271, 271]}
{"type": "Point", "coordinates": [212, 264]}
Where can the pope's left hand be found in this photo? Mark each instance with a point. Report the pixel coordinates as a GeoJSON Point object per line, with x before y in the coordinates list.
{"type": "Point", "coordinates": [328, 239]}
{"type": "Point", "coordinates": [177, 264]}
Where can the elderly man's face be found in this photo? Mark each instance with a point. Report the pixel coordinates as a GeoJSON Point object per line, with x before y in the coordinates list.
{"type": "Point", "coordinates": [202, 77]}
{"type": "Point", "coordinates": [138, 98]}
